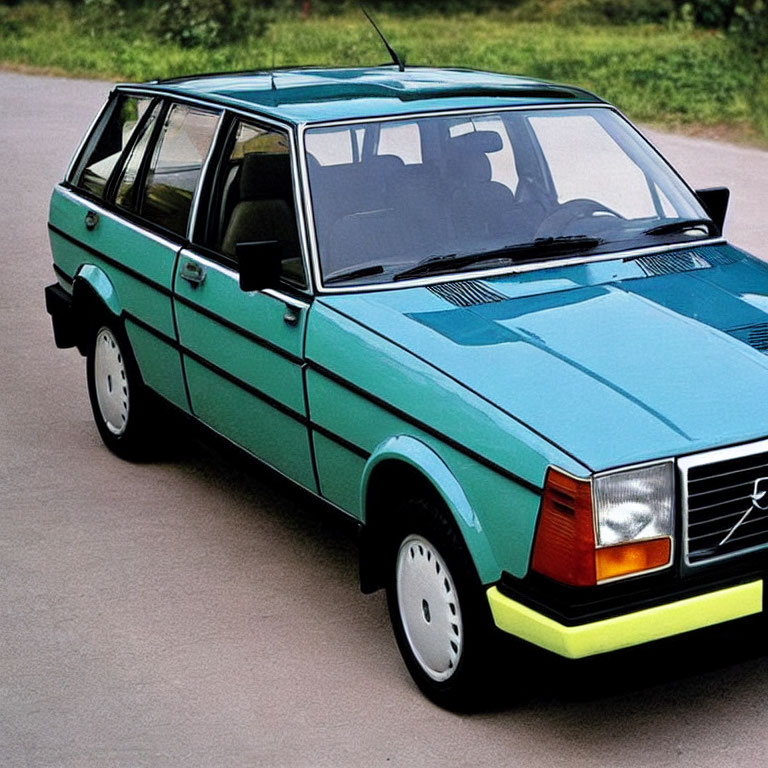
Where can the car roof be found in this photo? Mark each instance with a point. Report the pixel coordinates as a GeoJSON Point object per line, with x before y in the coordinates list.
{"type": "Point", "coordinates": [310, 95]}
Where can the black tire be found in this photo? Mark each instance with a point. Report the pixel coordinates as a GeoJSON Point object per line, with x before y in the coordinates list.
{"type": "Point", "coordinates": [442, 623]}
{"type": "Point", "coordinates": [122, 408]}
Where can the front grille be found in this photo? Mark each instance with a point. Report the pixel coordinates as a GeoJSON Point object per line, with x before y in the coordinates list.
{"type": "Point", "coordinates": [723, 502]}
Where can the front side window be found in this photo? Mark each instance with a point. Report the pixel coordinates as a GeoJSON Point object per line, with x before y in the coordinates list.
{"type": "Point", "coordinates": [107, 142]}
{"type": "Point", "coordinates": [254, 200]}
{"type": "Point", "coordinates": [176, 165]}
{"type": "Point", "coordinates": [442, 194]}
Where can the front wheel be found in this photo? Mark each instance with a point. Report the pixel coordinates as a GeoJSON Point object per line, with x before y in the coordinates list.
{"type": "Point", "coordinates": [439, 614]}
{"type": "Point", "coordinates": [118, 396]}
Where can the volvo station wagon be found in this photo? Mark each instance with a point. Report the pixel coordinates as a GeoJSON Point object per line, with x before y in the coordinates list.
{"type": "Point", "coordinates": [479, 314]}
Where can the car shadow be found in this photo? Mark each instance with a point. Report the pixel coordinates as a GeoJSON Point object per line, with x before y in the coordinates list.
{"type": "Point", "coordinates": [665, 676]}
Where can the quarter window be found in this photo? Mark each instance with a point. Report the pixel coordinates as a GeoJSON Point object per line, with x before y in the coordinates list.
{"type": "Point", "coordinates": [126, 186]}
{"type": "Point", "coordinates": [107, 142]}
{"type": "Point", "coordinates": [176, 166]}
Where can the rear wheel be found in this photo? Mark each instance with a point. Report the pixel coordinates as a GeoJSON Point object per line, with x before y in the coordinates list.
{"type": "Point", "coordinates": [118, 397]}
{"type": "Point", "coordinates": [439, 614]}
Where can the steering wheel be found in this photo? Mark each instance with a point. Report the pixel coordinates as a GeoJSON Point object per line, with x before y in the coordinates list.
{"type": "Point", "coordinates": [559, 221]}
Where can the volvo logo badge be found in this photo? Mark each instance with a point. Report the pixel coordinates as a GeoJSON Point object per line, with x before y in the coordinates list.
{"type": "Point", "coordinates": [759, 498]}
{"type": "Point", "coordinates": [760, 493]}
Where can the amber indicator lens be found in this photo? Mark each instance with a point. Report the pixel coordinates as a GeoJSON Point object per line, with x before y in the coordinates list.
{"type": "Point", "coordinates": [632, 558]}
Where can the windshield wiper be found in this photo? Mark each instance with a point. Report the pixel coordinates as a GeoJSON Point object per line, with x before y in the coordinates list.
{"type": "Point", "coordinates": [352, 274]}
{"type": "Point", "coordinates": [681, 225]}
{"type": "Point", "coordinates": [519, 253]}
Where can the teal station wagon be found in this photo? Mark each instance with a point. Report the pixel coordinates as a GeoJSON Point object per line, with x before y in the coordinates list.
{"type": "Point", "coordinates": [477, 313]}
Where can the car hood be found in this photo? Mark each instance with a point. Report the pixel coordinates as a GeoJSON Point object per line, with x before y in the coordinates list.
{"type": "Point", "coordinates": [615, 362]}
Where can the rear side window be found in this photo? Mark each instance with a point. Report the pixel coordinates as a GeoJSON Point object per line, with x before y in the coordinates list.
{"type": "Point", "coordinates": [176, 165]}
{"type": "Point", "coordinates": [109, 138]}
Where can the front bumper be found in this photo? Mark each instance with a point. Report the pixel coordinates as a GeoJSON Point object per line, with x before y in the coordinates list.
{"type": "Point", "coordinates": [623, 631]}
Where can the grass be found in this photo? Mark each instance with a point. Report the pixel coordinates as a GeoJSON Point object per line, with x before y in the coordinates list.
{"type": "Point", "coordinates": [672, 77]}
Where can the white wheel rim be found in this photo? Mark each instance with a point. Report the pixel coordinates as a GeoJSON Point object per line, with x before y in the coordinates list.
{"type": "Point", "coordinates": [429, 608]}
{"type": "Point", "coordinates": [111, 382]}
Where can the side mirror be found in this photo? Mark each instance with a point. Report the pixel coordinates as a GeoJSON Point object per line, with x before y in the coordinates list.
{"type": "Point", "coordinates": [259, 264]}
{"type": "Point", "coordinates": [715, 202]}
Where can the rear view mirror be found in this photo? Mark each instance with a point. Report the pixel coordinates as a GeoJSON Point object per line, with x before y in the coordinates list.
{"type": "Point", "coordinates": [259, 264]}
{"type": "Point", "coordinates": [715, 202]}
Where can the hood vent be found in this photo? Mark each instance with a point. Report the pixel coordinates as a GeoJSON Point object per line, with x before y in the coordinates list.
{"type": "Point", "coordinates": [755, 335]}
{"type": "Point", "coordinates": [684, 261]}
{"type": "Point", "coordinates": [669, 263]}
{"type": "Point", "coordinates": [466, 293]}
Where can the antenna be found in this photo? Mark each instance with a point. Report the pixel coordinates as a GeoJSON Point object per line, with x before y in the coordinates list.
{"type": "Point", "coordinates": [396, 58]}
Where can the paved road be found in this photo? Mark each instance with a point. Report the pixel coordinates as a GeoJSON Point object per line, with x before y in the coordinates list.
{"type": "Point", "coordinates": [192, 613]}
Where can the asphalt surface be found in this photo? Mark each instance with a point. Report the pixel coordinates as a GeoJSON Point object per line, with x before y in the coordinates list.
{"type": "Point", "coordinates": [196, 612]}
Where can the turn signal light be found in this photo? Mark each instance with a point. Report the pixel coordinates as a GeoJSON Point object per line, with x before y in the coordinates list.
{"type": "Point", "coordinates": [637, 556]}
{"type": "Point", "coordinates": [564, 548]}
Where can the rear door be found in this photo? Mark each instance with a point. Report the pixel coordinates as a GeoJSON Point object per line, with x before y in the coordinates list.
{"type": "Point", "coordinates": [122, 218]}
{"type": "Point", "coordinates": [243, 351]}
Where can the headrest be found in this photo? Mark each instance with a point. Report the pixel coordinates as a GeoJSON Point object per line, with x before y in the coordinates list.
{"type": "Point", "coordinates": [265, 176]}
{"type": "Point", "coordinates": [469, 154]}
{"type": "Point", "coordinates": [477, 141]}
{"type": "Point", "coordinates": [385, 165]}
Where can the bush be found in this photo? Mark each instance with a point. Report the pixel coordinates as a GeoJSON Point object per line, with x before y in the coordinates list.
{"type": "Point", "coordinates": [99, 16]}
{"type": "Point", "coordinates": [596, 11]}
{"type": "Point", "coordinates": [207, 23]}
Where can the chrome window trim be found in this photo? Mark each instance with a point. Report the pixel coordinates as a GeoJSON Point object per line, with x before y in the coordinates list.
{"type": "Point", "coordinates": [685, 463]}
{"type": "Point", "coordinates": [521, 268]}
{"type": "Point", "coordinates": [252, 116]}
{"type": "Point", "coordinates": [320, 288]}
{"type": "Point", "coordinates": [290, 301]}
{"type": "Point", "coordinates": [285, 126]}
{"type": "Point", "coordinates": [116, 216]}
{"type": "Point", "coordinates": [299, 202]}
{"type": "Point", "coordinates": [181, 248]}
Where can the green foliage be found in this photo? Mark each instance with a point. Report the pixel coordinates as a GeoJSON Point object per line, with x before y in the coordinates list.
{"type": "Point", "coordinates": [206, 23]}
{"type": "Point", "coordinates": [751, 22]}
{"type": "Point", "coordinates": [95, 17]}
{"type": "Point", "coordinates": [596, 11]}
{"type": "Point", "coordinates": [666, 74]}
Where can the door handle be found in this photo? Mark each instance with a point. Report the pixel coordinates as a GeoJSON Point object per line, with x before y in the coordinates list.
{"type": "Point", "coordinates": [192, 272]}
{"type": "Point", "coordinates": [91, 220]}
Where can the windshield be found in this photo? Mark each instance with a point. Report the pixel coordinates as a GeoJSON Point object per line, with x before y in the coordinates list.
{"type": "Point", "coordinates": [396, 199]}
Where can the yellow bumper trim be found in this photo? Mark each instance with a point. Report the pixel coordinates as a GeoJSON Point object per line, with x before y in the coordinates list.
{"type": "Point", "coordinates": [629, 629]}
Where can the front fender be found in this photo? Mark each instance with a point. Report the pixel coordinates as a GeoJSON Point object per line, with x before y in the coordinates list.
{"type": "Point", "coordinates": [421, 457]}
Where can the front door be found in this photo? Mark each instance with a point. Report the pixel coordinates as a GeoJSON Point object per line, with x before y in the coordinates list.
{"type": "Point", "coordinates": [243, 351]}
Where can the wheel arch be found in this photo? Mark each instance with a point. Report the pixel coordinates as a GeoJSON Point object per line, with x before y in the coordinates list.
{"type": "Point", "coordinates": [400, 468]}
{"type": "Point", "coordinates": [92, 292]}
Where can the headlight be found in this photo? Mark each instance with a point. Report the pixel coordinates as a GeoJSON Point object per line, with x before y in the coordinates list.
{"type": "Point", "coordinates": [611, 526]}
{"type": "Point", "coordinates": [634, 505]}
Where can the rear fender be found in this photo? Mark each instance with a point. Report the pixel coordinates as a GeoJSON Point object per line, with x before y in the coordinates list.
{"type": "Point", "coordinates": [100, 286]}
{"type": "Point", "coordinates": [92, 293]}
